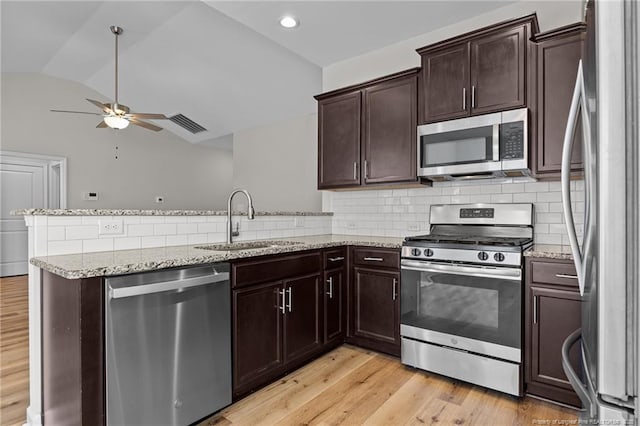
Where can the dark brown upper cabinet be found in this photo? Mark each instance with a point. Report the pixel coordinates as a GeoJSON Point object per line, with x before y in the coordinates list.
{"type": "Point", "coordinates": [367, 133]}
{"type": "Point", "coordinates": [339, 140]}
{"type": "Point", "coordinates": [557, 55]}
{"type": "Point", "coordinates": [476, 73]}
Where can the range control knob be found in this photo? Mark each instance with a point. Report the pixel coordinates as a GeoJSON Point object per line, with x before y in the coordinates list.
{"type": "Point", "coordinates": [428, 252]}
{"type": "Point", "coordinates": [483, 255]}
{"type": "Point", "coordinates": [415, 252]}
{"type": "Point", "coordinates": [498, 257]}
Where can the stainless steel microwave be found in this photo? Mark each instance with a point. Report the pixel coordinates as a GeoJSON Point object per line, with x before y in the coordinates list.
{"type": "Point", "coordinates": [485, 146]}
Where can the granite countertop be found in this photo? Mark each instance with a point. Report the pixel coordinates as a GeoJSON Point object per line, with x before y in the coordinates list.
{"type": "Point", "coordinates": [86, 265]}
{"type": "Point", "coordinates": [126, 212]}
{"type": "Point", "coordinates": [549, 251]}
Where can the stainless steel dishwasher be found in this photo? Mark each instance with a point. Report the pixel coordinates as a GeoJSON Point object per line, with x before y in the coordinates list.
{"type": "Point", "coordinates": [168, 343]}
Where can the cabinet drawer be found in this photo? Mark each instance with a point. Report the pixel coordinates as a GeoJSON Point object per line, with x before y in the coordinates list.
{"type": "Point", "coordinates": [334, 259]}
{"type": "Point", "coordinates": [275, 268]}
{"type": "Point", "coordinates": [561, 273]}
{"type": "Point", "coordinates": [373, 257]}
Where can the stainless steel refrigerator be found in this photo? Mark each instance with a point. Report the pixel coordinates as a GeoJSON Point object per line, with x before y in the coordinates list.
{"type": "Point", "coordinates": [606, 101]}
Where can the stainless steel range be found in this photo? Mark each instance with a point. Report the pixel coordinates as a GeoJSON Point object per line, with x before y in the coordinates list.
{"type": "Point", "coordinates": [462, 294]}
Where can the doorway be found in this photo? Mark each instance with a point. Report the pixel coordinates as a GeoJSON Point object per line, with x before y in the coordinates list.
{"type": "Point", "coordinates": [26, 181]}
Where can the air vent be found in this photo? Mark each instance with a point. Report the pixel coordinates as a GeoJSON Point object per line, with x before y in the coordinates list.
{"type": "Point", "coordinates": [187, 123]}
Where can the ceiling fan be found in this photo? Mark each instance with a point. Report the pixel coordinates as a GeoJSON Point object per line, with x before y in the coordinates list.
{"type": "Point", "coordinates": [117, 115]}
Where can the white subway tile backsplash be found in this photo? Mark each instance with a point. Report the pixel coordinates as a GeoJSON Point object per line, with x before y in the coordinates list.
{"type": "Point", "coordinates": [103, 244]}
{"type": "Point", "coordinates": [549, 197]}
{"type": "Point", "coordinates": [56, 233]}
{"type": "Point", "coordinates": [525, 197]}
{"type": "Point", "coordinates": [59, 220]}
{"type": "Point", "coordinates": [140, 230]}
{"type": "Point", "coordinates": [126, 243]}
{"type": "Point", "coordinates": [177, 240]}
{"type": "Point", "coordinates": [81, 232]}
{"type": "Point", "coordinates": [147, 242]}
{"type": "Point", "coordinates": [393, 216]}
{"type": "Point", "coordinates": [187, 228]}
{"type": "Point", "coordinates": [64, 247]}
{"type": "Point", "coordinates": [165, 229]}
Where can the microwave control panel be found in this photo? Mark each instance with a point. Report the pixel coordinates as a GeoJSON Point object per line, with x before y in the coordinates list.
{"type": "Point", "coordinates": [512, 140]}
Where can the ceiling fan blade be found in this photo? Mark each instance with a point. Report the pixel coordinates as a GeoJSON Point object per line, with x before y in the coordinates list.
{"type": "Point", "coordinates": [148, 116]}
{"type": "Point", "coordinates": [145, 124]}
{"type": "Point", "coordinates": [74, 112]}
{"type": "Point", "coordinates": [100, 105]}
{"type": "Point", "coordinates": [102, 125]}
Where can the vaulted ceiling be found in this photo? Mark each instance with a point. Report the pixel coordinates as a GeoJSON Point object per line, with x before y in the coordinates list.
{"type": "Point", "coordinates": [227, 65]}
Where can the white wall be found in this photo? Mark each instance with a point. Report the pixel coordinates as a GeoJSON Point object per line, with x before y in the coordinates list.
{"type": "Point", "coordinates": [149, 163]}
{"type": "Point", "coordinates": [402, 55]}
{"type": "Point", "coordinates": [277, 164]}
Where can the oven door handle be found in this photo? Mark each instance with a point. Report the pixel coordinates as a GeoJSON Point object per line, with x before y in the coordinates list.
{"type": "Point", "coordinates": [514, 274]}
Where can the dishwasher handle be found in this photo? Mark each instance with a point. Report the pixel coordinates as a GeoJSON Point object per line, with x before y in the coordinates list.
{"type": "Point", "coordinates": [159, 287]}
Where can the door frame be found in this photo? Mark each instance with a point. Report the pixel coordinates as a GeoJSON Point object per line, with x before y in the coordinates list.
{"type": "Point", "coordinates": [55, 172]}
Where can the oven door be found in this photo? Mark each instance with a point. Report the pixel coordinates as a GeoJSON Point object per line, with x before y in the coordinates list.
{"type": "Point", "coordinates": [458, 147]}
{"type": "Point", "coordinates": [472, 308]}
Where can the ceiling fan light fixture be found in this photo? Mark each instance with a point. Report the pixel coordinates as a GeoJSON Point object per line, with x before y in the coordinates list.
{"type": "Point", "coordinates": [288, 21]}
{"type": "Point", "coordinates": [116, 122]}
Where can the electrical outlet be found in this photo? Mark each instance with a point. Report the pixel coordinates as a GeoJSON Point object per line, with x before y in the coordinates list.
{"type": "Point", "coordinates": [351, 225]}
{"type": "Point", "coordinates": [298, 222]}
{"type": "Point", "coordinates": [110, 227]}
{"type": "Point", "coordinates": [89, 196]}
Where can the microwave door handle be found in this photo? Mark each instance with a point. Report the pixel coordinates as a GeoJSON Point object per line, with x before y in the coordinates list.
{"type": "Point", "coordinates": [496, 142]}
{"type": "Point", "coordinates": [565, 172]}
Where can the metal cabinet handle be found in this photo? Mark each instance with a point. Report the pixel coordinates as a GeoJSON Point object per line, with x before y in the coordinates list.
{"type": "Point", "coordinates": [336, 259]}
{"type": "Point", "coordinates": [464, 98]}
{"type": "Point", "coordinates": [473, 96]}
{"type": "Point", "coordinates": [395, 288]}
{"type": "Point", "coordinates": [374, 259]}
{"type": "Point", "coordinates": [290, 305]}
{"type": "Point", "coordinates": [535, 309]}
{"type": "Point", "coordinates": [572, 277]}
{"type": "Point", "coordinates": [355, 171]}
{"type": "Point", "coordinates": [366, 170]}
{"type": "Point", "coordinates": [330, 292]}
{"type": "Point", "coordinates": [281, 307]}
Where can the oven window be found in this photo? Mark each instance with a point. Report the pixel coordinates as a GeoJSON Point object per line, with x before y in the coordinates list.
{"type": "Point", "coordinates": [457, 147]}
{"type": "Point", "coordinates": [480, 308]}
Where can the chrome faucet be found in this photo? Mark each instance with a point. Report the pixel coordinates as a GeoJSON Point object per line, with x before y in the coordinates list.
{"type": "Point", "coordinates": [251, 213]}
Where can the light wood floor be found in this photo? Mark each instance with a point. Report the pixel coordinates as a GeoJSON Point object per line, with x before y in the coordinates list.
{"type": "Point", "coordinates": [349, 386]}
{"type": "Point", "coordinates": [14, 350]}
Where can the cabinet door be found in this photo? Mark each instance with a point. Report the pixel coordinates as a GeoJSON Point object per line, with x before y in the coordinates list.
{"type": "Point", "coordinates": [390, 120]}
{"type": "Point", "coordinates": [257, 341]}
{"type": "Point", "coordinates": [376, 305]}
{"type": "Point", "coordinates": [556, 76]}
{"type": "Point", "coordinates": [339, 141]}
{"type": "Point", "coordinates": [498, 71]}
{"type": "Point", "coordinates": [555, 315]}
{"type": "Point", "coordinates": [334, 305]}
{"type": "Point", "coordinates": [445, 84]}
{"type": "Point", "coordinates": [302, 318]}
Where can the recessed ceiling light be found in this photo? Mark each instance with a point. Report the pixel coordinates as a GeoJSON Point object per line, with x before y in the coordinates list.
{"type": "Point", "coordinates": [288, 21]}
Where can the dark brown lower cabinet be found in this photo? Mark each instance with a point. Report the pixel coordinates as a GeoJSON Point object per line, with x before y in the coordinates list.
{"type": "Point", "coordinates": [73, 383]}
{"type": "Point", "coordinates": [302, 317]}
{"type": "Point", "coordinates": [553, 312]}
{"type": "Point", "coordinates": [277, 319]}
{"type": "Point", "coordinates": [257, 335]}
{"type": "Point", "coordinates": [334, 305]}
{"type": "Point", "coordinates": [375, 310]}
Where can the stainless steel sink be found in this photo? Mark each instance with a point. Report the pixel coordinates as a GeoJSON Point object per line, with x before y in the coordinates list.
{"type": "Point", "coordinates": [247, 245]}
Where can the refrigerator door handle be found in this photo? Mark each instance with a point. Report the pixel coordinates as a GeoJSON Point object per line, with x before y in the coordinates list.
{"type": "Point", "coordinates": [574, 379]}
{"type": "Point", "coordinates": [567, 147]}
